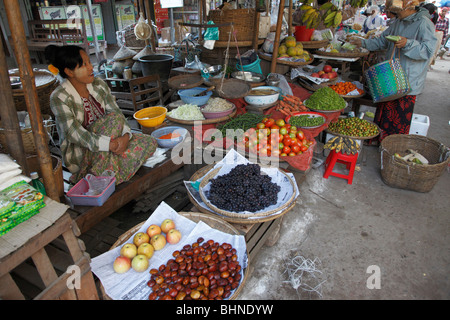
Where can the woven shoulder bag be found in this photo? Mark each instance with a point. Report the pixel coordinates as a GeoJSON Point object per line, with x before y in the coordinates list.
{"type": "Point", "coordinates": [387, 80]}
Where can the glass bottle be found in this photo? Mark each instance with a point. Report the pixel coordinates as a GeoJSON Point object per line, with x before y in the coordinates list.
{"type": "Point", "coordinates": [36, 183]}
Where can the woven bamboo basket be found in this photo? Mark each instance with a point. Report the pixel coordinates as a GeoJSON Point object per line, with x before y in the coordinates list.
{"type": "Point", "coordinates": [242, 20]}
{"type": "Point", "coordinates": [213, 173]}
{"type": "Point", "coordinates": [231, 88]}
{"type": "Point", "coordinates": [200, 174]}
{"type": "Point", "coordinates": [343, 54]}
{"type": "Point", "coordinates": [416, 177]}
{"type": "Point", "coordinates": [267, 57]}
{"type": "Point", "coordinates": [185, 81]}
{"type": "Point", "coordinates": [45, 83]}
{"type": "Point", "coordinates": [33, 165]}
{"type": "Point", "coordinates": [27, 137]}
{"type": "Point", "coordinates": [213, 222]}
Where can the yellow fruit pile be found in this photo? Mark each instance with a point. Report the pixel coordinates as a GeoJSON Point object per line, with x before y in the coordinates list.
{"type": "Point", "coordinates": [291, 48]}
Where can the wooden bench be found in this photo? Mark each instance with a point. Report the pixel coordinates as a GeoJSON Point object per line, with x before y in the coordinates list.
{"type": "Point", "coordinates": [60, 32]}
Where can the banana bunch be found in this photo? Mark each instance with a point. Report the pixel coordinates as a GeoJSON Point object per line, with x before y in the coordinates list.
{"type": "Point", "coordinates": [342, 144]}
{"type": "Point", "coordinates": [358, 3]}
{"type": "Point", "coordinates": [332, 16]}
{"type": "Point", "coordinates": [310, 15]}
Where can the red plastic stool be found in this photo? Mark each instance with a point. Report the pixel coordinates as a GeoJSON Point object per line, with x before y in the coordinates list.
{"type": "Point", "coordinates": [348, 160]}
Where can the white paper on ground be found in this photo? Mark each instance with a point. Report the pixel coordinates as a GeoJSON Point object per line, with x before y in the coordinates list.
{"type": "Point", "coordinates": [132, 285]}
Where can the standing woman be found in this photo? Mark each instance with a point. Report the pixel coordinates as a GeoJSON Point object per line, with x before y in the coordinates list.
{"type": "Point", "coordinates": [93, 132]}
{"type": "Point", "coordinates": [414, 50]}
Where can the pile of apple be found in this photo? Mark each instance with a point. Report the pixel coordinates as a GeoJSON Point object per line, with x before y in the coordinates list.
{"type": "Point", "coordinates": [136, 255]}
{"type": "Point", "coordinates": [326, 73]}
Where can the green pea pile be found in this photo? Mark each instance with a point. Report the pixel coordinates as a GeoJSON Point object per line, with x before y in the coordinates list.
{"type": "Point", "coordinates": [306, 121]}
{"type": "Point", "coordinates": [354, 127]}
{"type": "Point", "coordinates": [325, 99]}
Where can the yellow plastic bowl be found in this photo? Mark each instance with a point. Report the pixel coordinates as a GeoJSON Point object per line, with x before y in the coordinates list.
{"type": "Point", "coordinates": [151, 116]}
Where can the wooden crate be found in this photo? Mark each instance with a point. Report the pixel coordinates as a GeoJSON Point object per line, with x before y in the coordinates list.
{"type": "Point", "coordinates": [35, 255]}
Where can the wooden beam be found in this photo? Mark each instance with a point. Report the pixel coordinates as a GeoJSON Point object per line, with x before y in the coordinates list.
{"type": "Point", "coordinates": [31, 98]}
{"type": "Point", "coordinates": [276, 43]}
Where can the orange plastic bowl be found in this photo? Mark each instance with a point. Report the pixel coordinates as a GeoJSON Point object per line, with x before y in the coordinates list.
{"type": "Point", "coordinates": [151, 116]}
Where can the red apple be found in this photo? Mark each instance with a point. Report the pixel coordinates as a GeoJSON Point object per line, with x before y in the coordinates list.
{"type": "Point", "coordinates": [324, 76]}
{"type": "Point", "coordinates": [158, 241]}
{"type": "Point", "coordinates": [333, 74]}
{"type": "Point", "coordinates": [139, 263]}
{"type": "Point", "coordinates": [315, 75]}
{"type": "Point", "coordinates": [140, 238]}
{"type": "Point", "coordinates": [153, 229]}
{"type": "Point", "coordinates": [146, 249]}
{"type": "Point", "coordinates": [321, 72]}
{"type": "Point", "coordinates": [327, 68]}
{"type": "Point", "coordinates": [167, 225]}
{"type": "Point", "coordinates": [173, 236]}
{"type": "Point", "coordinates": [122, 264]}
{"type": "Point", "coordinates": [129, 250]}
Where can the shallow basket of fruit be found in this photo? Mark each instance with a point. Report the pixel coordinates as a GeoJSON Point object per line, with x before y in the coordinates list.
{"type": "Point", "coordinates": [256, 191]}
{"type": "Point", "coordinates": [211, 262]}
{"type": "Point", "coordinates": [355, 128]}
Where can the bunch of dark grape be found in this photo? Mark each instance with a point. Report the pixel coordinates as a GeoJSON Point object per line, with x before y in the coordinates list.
{"type": "Point", "coordinates": [244, 188]}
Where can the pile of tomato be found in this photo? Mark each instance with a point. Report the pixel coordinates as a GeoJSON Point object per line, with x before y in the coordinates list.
{"type": "Point", "coordinates": [345, 88]}
{"type": "Point", "coordinates": [273, 137]}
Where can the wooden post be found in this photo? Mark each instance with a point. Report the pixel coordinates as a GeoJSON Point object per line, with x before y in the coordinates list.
{"type": "Point", "coordinates": [30, 93]}
{"type": "Point", "coordinates": [256, 28]}
{"type": "Point", "coordinates": [8, 113]}
{"type": "Point", "coordinates": [290, 18]}
{"type": "Point", "coordinates": [276, 42]}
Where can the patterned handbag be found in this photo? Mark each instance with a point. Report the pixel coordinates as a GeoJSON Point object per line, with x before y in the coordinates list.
{"type": "Point", "coordinates": [387, 80]}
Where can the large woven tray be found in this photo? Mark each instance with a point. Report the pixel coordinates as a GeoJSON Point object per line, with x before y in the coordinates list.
{"type": "Point", "coordinates": [231, 88]}
{"type": "Point", "coordinates": [356, 138]}
{"type": "Point", "coordinates": [213, 222]}
{"type": "Point", "coordinates": [185, 81]}
{"type": "Point", "coordinates": [287, 63]}
{"type": "Point", "coordinates": [314, 44]}
{"type": "Point", "coordinates": [212, 174]}
{"type": "Point", "coordinates": [342, 54]}
{"type": "Point", "coordinates": [200, 174]}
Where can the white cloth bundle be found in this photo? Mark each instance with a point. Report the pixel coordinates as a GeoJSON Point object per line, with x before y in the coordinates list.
{"type": "Point", "coordinates": [10, 172]}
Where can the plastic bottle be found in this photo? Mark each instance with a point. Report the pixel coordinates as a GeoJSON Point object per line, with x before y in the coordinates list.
{"type": "Point", "coordinates": [36, 183]}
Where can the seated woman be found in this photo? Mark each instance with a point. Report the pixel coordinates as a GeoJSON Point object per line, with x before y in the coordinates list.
{"type": "Point", "coordinates": [93, 132]}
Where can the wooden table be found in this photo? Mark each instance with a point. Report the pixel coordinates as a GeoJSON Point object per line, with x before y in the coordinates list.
{"type": "Point", "coordinates": [32, 239]}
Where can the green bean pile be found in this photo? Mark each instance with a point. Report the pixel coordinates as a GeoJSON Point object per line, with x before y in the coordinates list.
{"type": "Point", "coordinates": [244, 121]}
{"type": "Point", "coordinates": [306, 121]}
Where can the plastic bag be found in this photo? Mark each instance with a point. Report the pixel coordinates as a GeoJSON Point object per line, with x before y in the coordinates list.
{"type": "Point", "coordinates": [211, 33]}
{"type": "Point", "coordinates": [99, 184]}
{"type": "Point", "coordinates": [283, 85]}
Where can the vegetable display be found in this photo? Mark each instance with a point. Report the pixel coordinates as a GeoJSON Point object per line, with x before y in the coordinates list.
{"type": "Point", "coordinates": [289, 105]}
{"type": "Point", "coordinates": [306, 121]}
{"type": "Point", "coordinates": [354, 127]}
{"type": "Point", "coordinates": [325, 99]}
{"type": "Point", "coordinates": [187, 112]}
{"type": "Point", "coordinates": [244, 122]}
{"type": "Point", "coordinates": [275, 138]}
{"type": "Point", "coordinates": [344, 88]}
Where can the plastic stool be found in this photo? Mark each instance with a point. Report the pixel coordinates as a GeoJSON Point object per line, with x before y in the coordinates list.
{"type": "Point", "coordinates": [348, 160]}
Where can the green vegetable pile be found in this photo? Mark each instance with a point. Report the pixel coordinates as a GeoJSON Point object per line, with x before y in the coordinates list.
{"type": "Point", "coordinates": [325, 99]}
{"type": "Point", "coordinates": [244, 121]}
{"type": "Point", "coordinates": [306, 121]}
{"type": "Point", "coordinates": [354, 127]}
